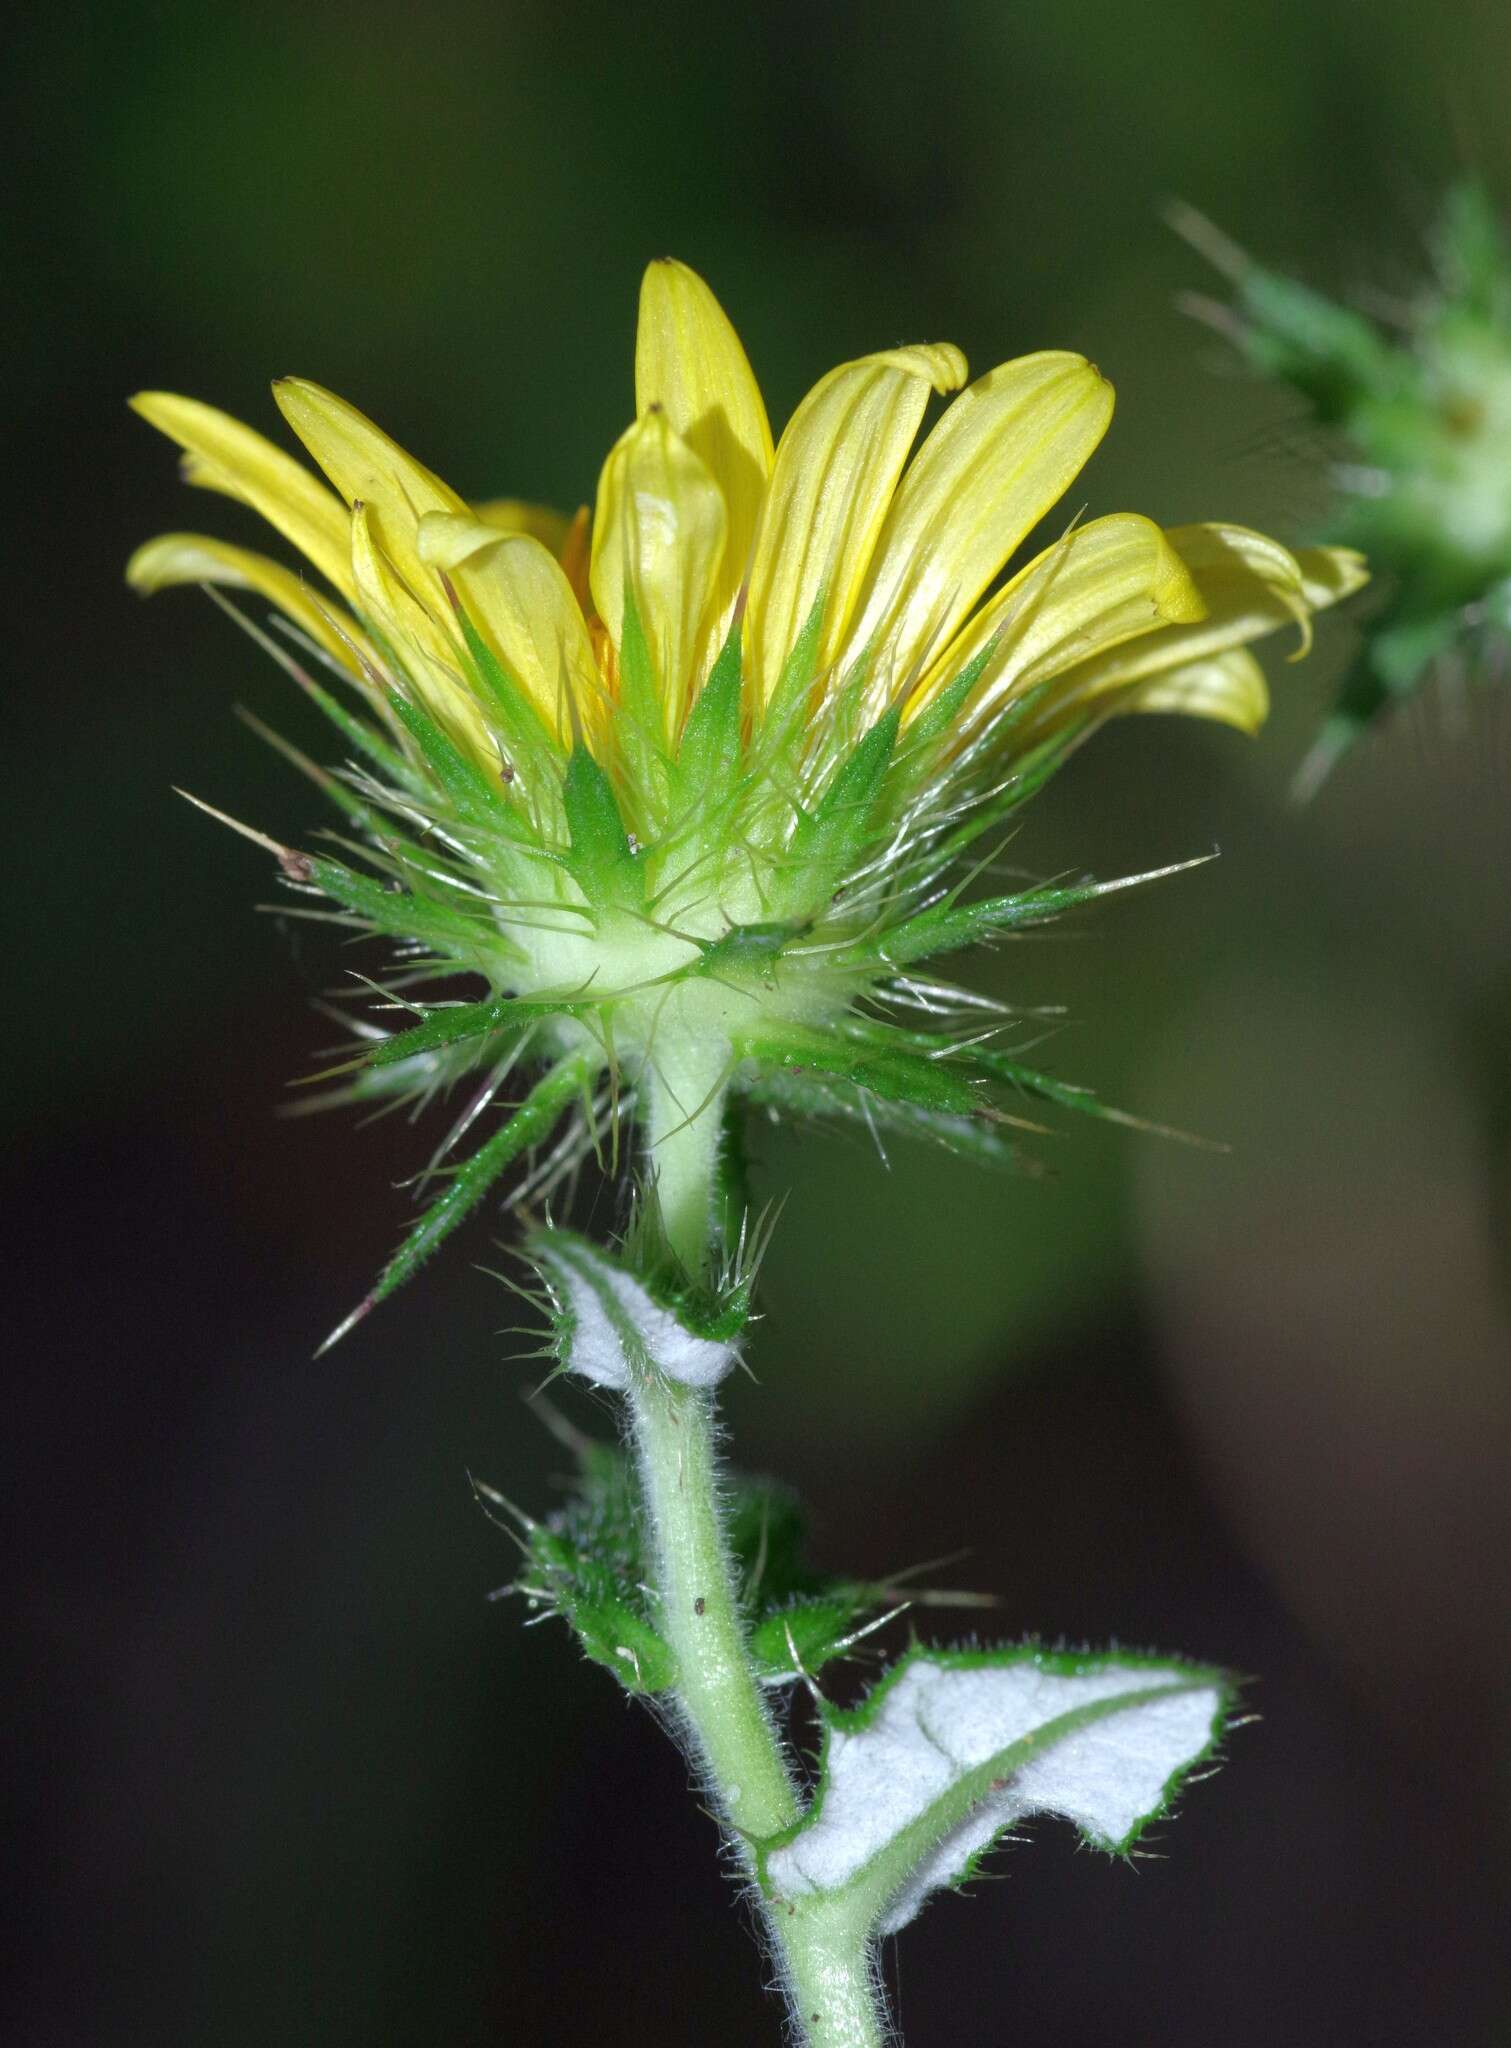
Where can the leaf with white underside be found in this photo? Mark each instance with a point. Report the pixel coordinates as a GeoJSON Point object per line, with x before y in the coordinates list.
{"type": "Point", "coordinates": [608, 1327]}
{"type": "Point", "coordinates": [952, 1749]}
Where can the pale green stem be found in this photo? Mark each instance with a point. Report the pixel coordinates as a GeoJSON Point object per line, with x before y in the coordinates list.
{"type": "Point", "coordinates": [824, 1960]}
{"type": "Point", "coordinates": [700, 1618]}
{"type": "Point", "coordinates": [835, 1992]}
{"type": "Point", "coordinates": [686, 1120]}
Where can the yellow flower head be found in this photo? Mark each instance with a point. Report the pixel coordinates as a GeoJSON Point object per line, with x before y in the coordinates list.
{"type": "Point", "coordinates": [682, 782]}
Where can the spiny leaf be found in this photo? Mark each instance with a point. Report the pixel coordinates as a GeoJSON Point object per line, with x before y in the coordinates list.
{"type": "Point", "coordinates": [796, 1640]}
{"type": "Point", "coordinates": [808, 1095]}
{"type": "Point", "coordinates": [527, 741]}
{"type": "Point", "coordinates": [399, 913]}
{"type": "Point", "coordinates": [640, 721]}
{"type": "Point", "coordinates": [356, 731]}
{"type": "Point", "coordinates": [947, 927]}
{"type": "Point", "coordinates": [599, 857]}
{"type": "Point", "coordinates": [882, 1062]}
{"type": "Point", "coordinates": [709, 754]}
{"type": "Point", "coordinates": [937, 719]}
{"type": "Point", "coordinates": [830, 840]}
{"type": "Point", "coordinates": [996, 1066]}
{"type": "Point", "coordinates": [457, 1021]}
{"type": "Point", "coordinates": [1032, 771]}
{"type": "Point", "coordinates": [747, 948]}
{"type": "Point", "coordinates": [473, 797]}
{"type": "Point", "coordinates": [799, 673]}
{"type": "Point", "coordinates": [1330, 353]}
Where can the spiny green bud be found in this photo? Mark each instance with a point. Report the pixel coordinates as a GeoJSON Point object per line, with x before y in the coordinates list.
{"type": "Point", "coordinates": [1422, 416]}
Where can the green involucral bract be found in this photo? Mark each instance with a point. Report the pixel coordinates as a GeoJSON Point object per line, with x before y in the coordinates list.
{"type": "Point", "coordinates": [772, 925]}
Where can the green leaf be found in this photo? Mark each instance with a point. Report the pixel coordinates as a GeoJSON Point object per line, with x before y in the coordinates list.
{"type": "Point", "coordinates": [398, 913]}
{"type": "Point", "coordinates": [473, 798]}
{"type": "Point", "coordinates": [953, 1749]}
{"type": "Point", "coordinates": [884, 1061]}
{"type": "Point", "coordinates": [640, 722]}
{"type": "Point", "coordinates": [530, 746]}
{"type": "Point", "coordinates": [588, 1563]}
{"type": "Point", "coordinates": [796, 1640]}
{"type": "Point", "coordinates": [600, 858]}
{"type": "Point", "coordinates": [809, 1096]}
{"type": "Point", "coordinates": [830, 840]}
{"type": "Point", "coordinates": [709, 755]}
{"type": "Point", "coordinates": [457, 1021]}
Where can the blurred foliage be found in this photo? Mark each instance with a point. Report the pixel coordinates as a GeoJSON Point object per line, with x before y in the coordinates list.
{"type": "Point", "coordinates": [1418, 401]}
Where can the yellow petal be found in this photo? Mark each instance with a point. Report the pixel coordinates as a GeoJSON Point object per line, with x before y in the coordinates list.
{"type": "Point", "coordinates": [420, 645]}
{"type": "Point", "coordinates": [1103, 584]}
{"type": "Point", "coordinates": [232, 458]}
{"type": "Point", "coordinates": [689, 361]}
{"type": "Point", "coordinates": [658, 536]}
{"type": "Point", "coordinates": [1249, 577]}
{"type": "Point", "coordinates": [517, 595]}
{"type": "Point", "coordinates": [1229, 688]}
{"type": "Point", "coordinates": [517, 515]}
{"type": "Point", "coordinates": [836, 469]}
{"type": "Point", "coordinates": [1003, 454]}
{"type": "Point", "coordinates": [1250, 585]}
{"type": "Point", "coordinates": [369, 469]}
{"type": "Point", "coordinates": [176, 558]}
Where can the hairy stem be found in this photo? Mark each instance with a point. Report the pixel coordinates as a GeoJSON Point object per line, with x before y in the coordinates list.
{"type": "Point", "coordinates": [686, 1127]}
{"type": "Point", "coordinates": [835, 1992]}
{"type": "Point", "coordinates": [825, 1966]}
{"type": "Point", "coordinates": [719, 1693]}
{"type": "Point", "coordinates": [824, 1962]}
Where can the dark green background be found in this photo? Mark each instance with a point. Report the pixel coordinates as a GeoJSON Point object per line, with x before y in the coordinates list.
{"type": "Point", "coordinates": [283, 1773]}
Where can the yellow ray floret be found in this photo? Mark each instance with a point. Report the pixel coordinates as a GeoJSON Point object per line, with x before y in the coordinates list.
{"type": "Point", "coordinates": [1004, 453]}
{"type": "Point", "coordinates": [175, 558]}
{"type": "Point", "coordinates": [232, 458]}
{"type": "Point", "coordinates": [690, 366]}
{"type": "Point", "coordinates": [658, 543]}
{"type": "Point", "coordinates": [836, 470]}
{"type": "Point", "coordinates": [517, 595]}
{"type": "Point", "coordinates": [854, 572]}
